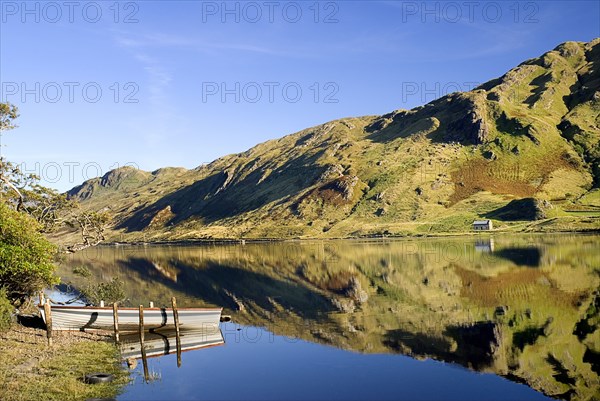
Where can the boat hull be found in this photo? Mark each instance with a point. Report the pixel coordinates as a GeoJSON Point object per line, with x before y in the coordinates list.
{"type": "Point", "coordinates": [77, 318]}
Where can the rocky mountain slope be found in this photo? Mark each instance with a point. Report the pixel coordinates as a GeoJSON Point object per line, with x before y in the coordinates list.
{"type": "Point", "coordinates": [522, 149]}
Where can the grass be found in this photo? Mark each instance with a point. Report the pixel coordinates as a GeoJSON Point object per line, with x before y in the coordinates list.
{"type": "Point", "coordinates": [30, 370]}
{"type": "Point", "coordinates": [585, 213]}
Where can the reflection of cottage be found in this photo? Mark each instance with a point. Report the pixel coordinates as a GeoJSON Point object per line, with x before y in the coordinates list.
{"type": "Point", "coordinates": [484, 245]}
{"type": "Point", "coordinates": [482, 225]}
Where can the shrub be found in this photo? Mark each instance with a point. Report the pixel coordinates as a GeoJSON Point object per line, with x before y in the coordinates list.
{"type": "Point", "coordinates": [108, 291]}
{"type": "Point", "coordinates": [82, 271]}
{"type": "Point", "coordinates": [26, 256]}
{"type": "Point", "coordinates": [6, 310]}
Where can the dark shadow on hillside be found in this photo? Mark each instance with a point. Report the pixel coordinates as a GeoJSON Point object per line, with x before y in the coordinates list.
{"type": "Point", "coordinates": [526, 256]}
{"type": "Point", "coordinates": [541, 86]}
{"type": "Point", "coordinates": [511, 126]}
{"type": "Point", "coordinates": [593, 358]}
{"type": "Point", "coordinates": [456, 117]}
{"type": "Point", "coordinates": [224, 195]}
{"type": "Point", "coordinates": [526, 209]}
{"type": "Point", "coordinates": [403, 124]}
{"type": "Point", "coordinates": [453, 114]}
{"type": "Point", "coordinates": [227, 285]}
{"type": "Point", "coordinates": [588, 83]}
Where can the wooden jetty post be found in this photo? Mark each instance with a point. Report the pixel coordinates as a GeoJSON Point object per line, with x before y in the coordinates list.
{"type": "Point", "coordinates": [48, 313]}
{"type": "Point", "coordinates": [41, 298]}
{"type": "Point", "coordinates": [116, 321]}
{"type": "Point", "coordinates": [142, 346]}
{"type": "Point", "coordinates": [141, 326]}
{"type": "Point", "coordinates": [177, 336]}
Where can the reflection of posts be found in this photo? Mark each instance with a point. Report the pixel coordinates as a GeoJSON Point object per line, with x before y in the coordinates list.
{"type": "Point", "coordinates": [177, 336]}
{"type": "Point", "coordinates": [331, 254]}
{"type": "Point", "coordinates": [142, 347]}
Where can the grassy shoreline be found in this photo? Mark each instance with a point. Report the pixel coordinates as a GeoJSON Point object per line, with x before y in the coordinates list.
{"type": "Point", "coordinates": [30, 370]}
{"type": "Point", "coordinates": [234, 241]}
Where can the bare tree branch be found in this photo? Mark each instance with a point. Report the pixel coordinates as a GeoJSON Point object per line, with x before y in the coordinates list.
{"type": "Point", "coordinates": [14, 188]}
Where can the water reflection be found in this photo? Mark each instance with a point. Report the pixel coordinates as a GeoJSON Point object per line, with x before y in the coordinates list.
{"type": "Point", "coordinates": [159, 343]}
{"type": "Point", "coordinates": [164, 342]}
{"type": "Point", "coordinates": [522, 307]}
{"type": "Point", "coordinates": [484, 245]}
{"type": "Point", "coordinates": [522, 256]}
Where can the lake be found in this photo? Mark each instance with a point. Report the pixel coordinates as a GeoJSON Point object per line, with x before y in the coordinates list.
{"type": "Point", "coordinates": [510, 317]}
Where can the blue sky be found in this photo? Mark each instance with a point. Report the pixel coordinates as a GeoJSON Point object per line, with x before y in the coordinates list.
{"type": "Point", "coordinates": [179, 83]}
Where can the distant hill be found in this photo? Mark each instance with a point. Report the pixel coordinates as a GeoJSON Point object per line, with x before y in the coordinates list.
{"type": "Point", "coordinates": [531, 134]}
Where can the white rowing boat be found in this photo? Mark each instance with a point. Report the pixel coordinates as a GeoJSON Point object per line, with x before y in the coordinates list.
{"type": "Point", "coordinates": [75, 318]}
{"type": "Point", "coordinates": [158, 343]}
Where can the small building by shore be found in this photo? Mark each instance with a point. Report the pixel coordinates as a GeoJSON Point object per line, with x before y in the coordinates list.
{"type": "Point", "coordinates": [482, 225]}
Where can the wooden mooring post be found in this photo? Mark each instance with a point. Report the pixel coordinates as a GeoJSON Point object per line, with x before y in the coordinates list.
{"type": "Point", "coordinates": [177, 336]}
{"type": "Point", "coordinates": [48, 314]}
{"type": "Point", "coordinates": [142, 345]}
{"type": "Point", "coordinates": [116, 321]}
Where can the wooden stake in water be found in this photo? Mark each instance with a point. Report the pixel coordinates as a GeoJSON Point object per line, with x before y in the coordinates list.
{"type": "Point", "coordinates": [116, 321]}
{"type": "Point", "coordinates": [177, 337]}
{"type": "Point", "coordinates": [142, 346]}
{"type": "Point", "coordinates": [48, 313]}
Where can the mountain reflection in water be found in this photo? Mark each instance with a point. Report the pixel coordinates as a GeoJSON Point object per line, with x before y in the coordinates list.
{"type": "Point", "coordinates": [522, 307]}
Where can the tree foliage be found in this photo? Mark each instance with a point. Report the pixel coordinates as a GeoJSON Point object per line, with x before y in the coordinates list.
{"type": "Point", "coordinates": [52, 210]}
{"type": "Point", "coordinates": [49, 208]}
{"type": "Point", "coordinates": [6, 310]}
{"type": "Point", "coordinates": [110, 292]}
{"type": "Point", "coordinates": [28, 210]}
{"type": "Point", "coordinates": [26, 256]}
{"type": "Point", "coordinates": [8, 114]}
{"type": "Point", "coordinates": [94, 292]}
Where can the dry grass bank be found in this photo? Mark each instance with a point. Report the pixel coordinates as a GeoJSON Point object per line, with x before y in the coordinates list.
{"type": "Point", "coordinates": [30, 370]}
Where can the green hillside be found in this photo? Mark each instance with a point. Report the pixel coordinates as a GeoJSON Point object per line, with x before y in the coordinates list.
{"type": "Point", "coordinates": [530, 135]}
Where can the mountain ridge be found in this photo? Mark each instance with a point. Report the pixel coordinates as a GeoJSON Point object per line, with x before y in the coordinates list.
{"type": "Point", "coordinates": [532, 133]}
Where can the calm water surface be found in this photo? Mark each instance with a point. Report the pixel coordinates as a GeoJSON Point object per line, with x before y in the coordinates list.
{"type": "Point", "coordinates": [481, 318]}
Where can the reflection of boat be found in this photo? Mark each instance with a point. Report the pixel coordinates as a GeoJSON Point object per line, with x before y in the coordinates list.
{"type": "Point", "coordinates": [92, 317]}
{"type": "Point", "coordinates": [164, 342]}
